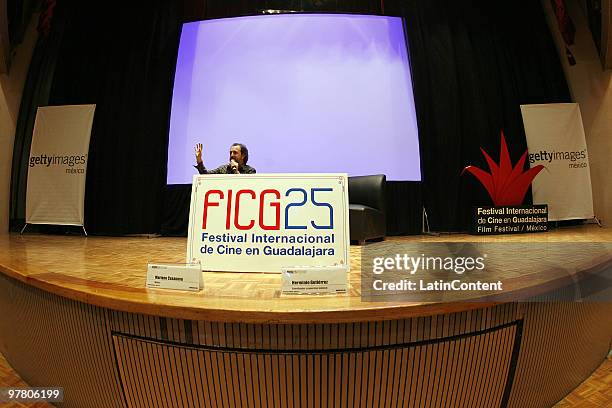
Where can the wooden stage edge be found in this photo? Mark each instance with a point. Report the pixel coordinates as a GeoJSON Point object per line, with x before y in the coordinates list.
{"type": "Point", "coordinates": [76, 314]}
{"type": "Point", "coordinates": [110, 272]}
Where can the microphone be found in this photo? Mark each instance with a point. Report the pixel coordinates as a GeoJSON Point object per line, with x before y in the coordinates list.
{"type": "Point", "coordinates": [234, 165]}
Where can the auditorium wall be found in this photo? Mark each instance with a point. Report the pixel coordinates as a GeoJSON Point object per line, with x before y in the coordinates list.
{"type": "Point", "coordinates": [11, 89]}
{"type": "Point", "coordinates": [591, 87]}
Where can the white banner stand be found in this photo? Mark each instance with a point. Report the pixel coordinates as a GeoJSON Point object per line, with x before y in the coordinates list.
{"type": "Point", "coordinates": [58, 165]}
{"type": "Point", "coordinates": [556, 140]}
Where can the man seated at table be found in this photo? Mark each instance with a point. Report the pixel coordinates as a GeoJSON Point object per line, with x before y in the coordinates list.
{"type": "Point", "coordinates": [238, 157]}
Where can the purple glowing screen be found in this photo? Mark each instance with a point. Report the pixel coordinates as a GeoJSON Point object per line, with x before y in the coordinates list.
{"type": "Point", "coordinates": [307, 93]}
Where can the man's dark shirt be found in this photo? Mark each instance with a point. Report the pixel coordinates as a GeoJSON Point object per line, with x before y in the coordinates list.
{"type": "Point", "coordinates": [225, 169]}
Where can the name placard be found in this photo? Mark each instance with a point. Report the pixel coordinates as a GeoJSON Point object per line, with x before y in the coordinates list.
{"type": "Point", "coordinates": [263, 222]}
{"type": "Point", "coordinates": [314, 280]}
{"type": "Point", "coordinates": [510, 219]}
{"type": "Point", "coordinates": [174, 276]}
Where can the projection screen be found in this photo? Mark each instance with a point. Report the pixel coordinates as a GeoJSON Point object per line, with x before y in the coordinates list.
{"type": "Point", "coordinates": [305, 92]}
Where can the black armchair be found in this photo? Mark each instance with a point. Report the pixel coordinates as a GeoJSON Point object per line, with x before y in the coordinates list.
{"type": "Point", "coordinates": [367, 207]}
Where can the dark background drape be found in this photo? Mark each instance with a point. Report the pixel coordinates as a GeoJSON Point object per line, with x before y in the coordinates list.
{"type": "Point", "coordinates": [473, 64]}
{"type": "Point", "coordinates": [35, 93]}
{"type": "Point", "coordinates": [119, 56]}
{"type": "Point", "coordinates": [122, 58]}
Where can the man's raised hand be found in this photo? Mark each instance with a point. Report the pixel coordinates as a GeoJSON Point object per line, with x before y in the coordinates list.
{"type": "Point", "coordinates": [198, 152]}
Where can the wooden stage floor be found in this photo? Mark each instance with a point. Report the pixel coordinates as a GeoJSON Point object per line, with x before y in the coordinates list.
{"type": "Point", "coordinates": [111, 271]}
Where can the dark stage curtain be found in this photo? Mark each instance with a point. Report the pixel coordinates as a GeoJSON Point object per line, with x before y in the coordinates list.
{"type": "Point", "coordinates": [176, 210]}
{"type": "Point", "coordinates": [200, 9]}
{"type": "Point", "coordinates": [404, 202]}
{"type": "Point", "coordinates": [121, 56]}
{"type": "Point", "coordinates": [474, 63]}
{"type": "Point", "coordinates": [35, 93]}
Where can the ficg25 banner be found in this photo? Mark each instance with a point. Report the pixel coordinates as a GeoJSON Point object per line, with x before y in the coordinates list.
{"type": "Point", "coordinates": [265, 222]}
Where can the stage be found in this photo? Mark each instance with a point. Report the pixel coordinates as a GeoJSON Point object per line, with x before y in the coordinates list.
{"type": "Point", "coordinates": [76, 314]}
